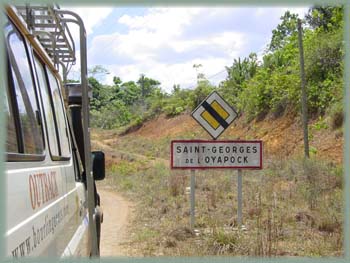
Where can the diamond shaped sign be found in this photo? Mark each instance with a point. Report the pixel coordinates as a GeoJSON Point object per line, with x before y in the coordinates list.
{"type": "Point", "coordinates": [214, 114]}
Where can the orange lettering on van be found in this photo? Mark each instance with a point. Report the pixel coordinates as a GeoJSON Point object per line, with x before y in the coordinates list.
{"type": "Point", "coordinates": [42, 188]}
{"type": "Point", "coordinates": [32, 191]}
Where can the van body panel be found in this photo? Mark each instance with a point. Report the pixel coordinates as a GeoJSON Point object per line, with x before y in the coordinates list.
{"type": "Point", "coordinates": [31, 191]}
{"type": "Point", "coordinates": [53, 217]}
{"type": "Point", "coordinates": [40, 233]}
{"type": "Point", "coordinates": [46, 204]}
{"type": "Point", "coordinates": [78, 220]}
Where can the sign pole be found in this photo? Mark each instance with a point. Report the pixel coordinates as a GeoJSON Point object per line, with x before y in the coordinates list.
{"type": "Point", "coordinates": [193, 186]}
{"type": "Point", "coordinates": [239, 199]}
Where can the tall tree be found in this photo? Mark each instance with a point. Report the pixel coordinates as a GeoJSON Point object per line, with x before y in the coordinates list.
{"type": "Point", "coordinates": [237, 76]}
{"type": "Point", "coordinates": [286, 28]}
{"type": "Point", "coordinates": [326, 18]}
{"type": "Point", "coordinates": [147, 85]}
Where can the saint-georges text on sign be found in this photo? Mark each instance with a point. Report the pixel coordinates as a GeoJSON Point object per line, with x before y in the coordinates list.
{"type": "Point", "coordinates": [200, 154]}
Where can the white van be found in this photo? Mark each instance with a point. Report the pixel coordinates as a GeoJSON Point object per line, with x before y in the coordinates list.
{"type": "Point", "coordinates": [52, 207]}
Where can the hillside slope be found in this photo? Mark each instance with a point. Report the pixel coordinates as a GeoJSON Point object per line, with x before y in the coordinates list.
{"type": "Point", "coordinates": [292, 207]}
{"type": "Point", "coordinates": [282, 137]}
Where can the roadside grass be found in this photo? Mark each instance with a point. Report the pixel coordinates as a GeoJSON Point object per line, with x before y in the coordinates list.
{"type": "Point", "coordinates": [291, 208]}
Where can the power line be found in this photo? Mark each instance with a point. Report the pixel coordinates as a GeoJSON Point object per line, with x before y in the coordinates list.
{"type": "Point", "coordinates": [263, 49]}
{"type": "Point", "coordinates": [217, 73]}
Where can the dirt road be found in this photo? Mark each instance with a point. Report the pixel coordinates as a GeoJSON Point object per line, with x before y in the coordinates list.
{"type": "Point", "coordinates": [117, 214]}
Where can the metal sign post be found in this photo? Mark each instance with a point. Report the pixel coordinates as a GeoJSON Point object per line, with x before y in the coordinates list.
{"type": "Point", "coordinates": [239, 199]}
{"type": "Point", "coordinates": [214, 114]}
{"type": "Point", "coordinates": [193, 189]}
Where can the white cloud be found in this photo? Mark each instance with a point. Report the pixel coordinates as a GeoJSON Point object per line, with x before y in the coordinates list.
{"type": "Point", "coordinates": [164, 43]}
{"type": "Point", "coordinates": [92, 17]}
{"type": "Point", "coordinates": [154, 45]}
{"type": "Point", "coordinates": [168, 21]}
{"type": "Point", "coordinates": [279, 11]}
{"type": "Point", "coordinates": [301, 11]}
{"type": "Point", "coordinates": [140, 45]}
{"type": "Point", "coordinates": [170, 74]}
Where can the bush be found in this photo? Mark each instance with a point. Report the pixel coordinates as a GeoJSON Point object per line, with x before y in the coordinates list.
{"type": "Point", "coordinates": [173, 110]}
{"type": "Point", "coordinates": [222, 243]}
{"type": "Point", "coordinates": [176, 185]}
{"type": "Point", "coordinates": [256, 97]}
{"type": "Point", "coordinates": [337, 115]}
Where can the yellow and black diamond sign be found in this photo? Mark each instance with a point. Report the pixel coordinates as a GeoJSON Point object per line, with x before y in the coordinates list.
{"type": "Point", "coordinates": [214, 114]}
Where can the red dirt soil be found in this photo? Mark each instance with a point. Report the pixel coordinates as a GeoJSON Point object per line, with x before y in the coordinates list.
{"type": "Point", "coordinates": [281, 137]}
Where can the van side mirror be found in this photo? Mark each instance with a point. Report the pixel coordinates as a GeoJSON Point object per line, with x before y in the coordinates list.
{"type": "Point", "coordinates": [98, 165]}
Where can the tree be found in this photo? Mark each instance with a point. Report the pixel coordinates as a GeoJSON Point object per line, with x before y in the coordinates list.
{"type": "Point", "coordinates": [286, 28]}
{"type": "Point", "coordinates": [200, 75]}
{"type": "Point", "coordinates": [129, 93]}
{"type": "Point", "coordinates": [147, 85]}
{"type": "Point", "coordinates": [117, 81]}
{"type": "Point", "coordinates": [242, 70]}
{"type": "Point", "coordinates": [176, 89]}
{"type": "Point", "coordinates": [97, 72]}
{"type": "Point", "coordinates": [96, 101]}
{"type": "Point", "coordinates": [201, 92]}
{"type": "Point", "coordinates": [237, 76]}
{"type": "Point", "coordinates": [326, 18]}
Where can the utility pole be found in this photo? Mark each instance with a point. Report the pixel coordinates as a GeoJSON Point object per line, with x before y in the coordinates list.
{"type": "Point", "coordinates": [142, 83]}
{"type": "Point", "coordinates": [303, 91]}
{"type": "Point", "coordinates": [142, 86]}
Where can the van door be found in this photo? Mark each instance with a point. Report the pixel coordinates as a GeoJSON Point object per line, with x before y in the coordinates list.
{"type": "Point", "coordinates": [62, 155]}
{"type": "Point", "coordinates": [34, 185]}
{"type": "Point", "coordinates": [76, 231]}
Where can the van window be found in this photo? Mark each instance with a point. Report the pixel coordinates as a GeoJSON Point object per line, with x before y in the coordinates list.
{"type": "Point", "coordinates": [60, 115]}
{"type": "Point", "coordinates": [23, 92]}
{"type": "Point", "coordinates": [11, 140]}
{"type": "Point", "coordinates": [47, 107]}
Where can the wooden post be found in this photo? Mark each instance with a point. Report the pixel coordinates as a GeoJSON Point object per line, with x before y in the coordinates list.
{"type": "Point", "coordinates": [303, 91]}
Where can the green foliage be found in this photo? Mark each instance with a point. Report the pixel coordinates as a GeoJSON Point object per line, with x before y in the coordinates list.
{"type": "Point", "coordinates": [337, 115]}
{"type": "Point", "coordinates": [255, 87]}
{"type": "Point", "coordinates": [98, 69]}
{"type": "Point", "coordinates": [284, 30]}
{"type": "Point", "coordinates": [256, 99]}
{"type": "Point", "coordinates": [313, 151]}
{"type": "Point", "coordinates": [172, 110]}
{"type": "Point", "coordinates": [320, 124]}
{"type": "Point", "coordinates": [203, 89]}
{"type": "Point", "coordinates": [117, 105]}
{"type": "Point", "coordinates": [323, 54]}
{"type": "Point", "coordinates": [112, 115]}
{"type": "Point", "coordinates": [275, 84]}
{"type": "Point", "coordinates": [147, 85]}
{"type": "Point", "coordinates": [325, 18]}
{"type": "Point", "coordinates": [240, 72]}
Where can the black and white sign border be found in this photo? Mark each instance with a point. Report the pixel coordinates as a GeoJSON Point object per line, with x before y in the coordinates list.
{"type": "Point", "coordinates": [196, 114]}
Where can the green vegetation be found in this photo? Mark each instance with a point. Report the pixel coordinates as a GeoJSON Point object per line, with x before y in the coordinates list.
{"type": "Point", "coordinates": [294, 207]}
{"type": "Point", "coordinates": [273, 85]}
{"type": "Point", "coordinates": [255, 86]}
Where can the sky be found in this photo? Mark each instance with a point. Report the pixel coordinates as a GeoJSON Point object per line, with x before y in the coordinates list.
{"type": "Point", "coordinates": [165, 42]}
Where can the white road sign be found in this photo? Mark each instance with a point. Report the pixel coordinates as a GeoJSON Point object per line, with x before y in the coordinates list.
{"type": "Point", "coordinates": [214, 114]}
{"type": "Point", "coordinates": [198, 154]}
